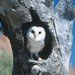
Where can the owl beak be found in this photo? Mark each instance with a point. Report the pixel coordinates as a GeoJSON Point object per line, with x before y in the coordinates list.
{"type": "Point", "coordinates": [35, 36]}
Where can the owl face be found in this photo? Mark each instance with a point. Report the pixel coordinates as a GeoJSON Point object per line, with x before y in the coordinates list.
{"type": "Point", "coordinates": [36, 33]}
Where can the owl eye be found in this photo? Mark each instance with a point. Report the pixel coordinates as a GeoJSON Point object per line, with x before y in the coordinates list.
{"type": "Point", "coordinates": [32, 31]}
{"type": "Point", "coordinates": [40, 32]}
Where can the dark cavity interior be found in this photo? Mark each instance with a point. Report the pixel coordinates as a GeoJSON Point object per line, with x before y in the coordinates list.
{"type": "Point", "coordinates": [47, 50]}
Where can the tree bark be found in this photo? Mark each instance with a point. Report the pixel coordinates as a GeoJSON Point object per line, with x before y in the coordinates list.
{"type": "Point", "coordinates": [14, 13]}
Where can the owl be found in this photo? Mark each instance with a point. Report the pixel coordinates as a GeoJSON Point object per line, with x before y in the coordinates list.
{"type": "Point", "coordinates": [35, 40]}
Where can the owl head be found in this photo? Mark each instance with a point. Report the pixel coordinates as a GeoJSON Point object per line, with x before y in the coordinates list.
{"type": "Point", "coordinates": [36, 33]}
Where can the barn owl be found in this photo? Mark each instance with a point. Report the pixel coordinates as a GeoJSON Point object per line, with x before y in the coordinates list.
{"type": "Point", "coordinates": [35, 40]}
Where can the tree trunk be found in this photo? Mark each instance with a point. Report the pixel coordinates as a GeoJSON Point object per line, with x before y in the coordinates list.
{"type": "Point", "coordinates": [15, 13]}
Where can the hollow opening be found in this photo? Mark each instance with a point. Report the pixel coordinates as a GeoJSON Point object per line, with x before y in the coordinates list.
{"type": "Point", "coordinates": [47, 49]}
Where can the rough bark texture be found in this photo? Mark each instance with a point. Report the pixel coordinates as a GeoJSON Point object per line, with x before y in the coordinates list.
{"type": "Point", "coordinates": [15, 13]}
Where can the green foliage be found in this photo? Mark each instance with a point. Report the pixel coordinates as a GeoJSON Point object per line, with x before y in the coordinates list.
{"type": "Point", "coordinates": [6, 63]}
